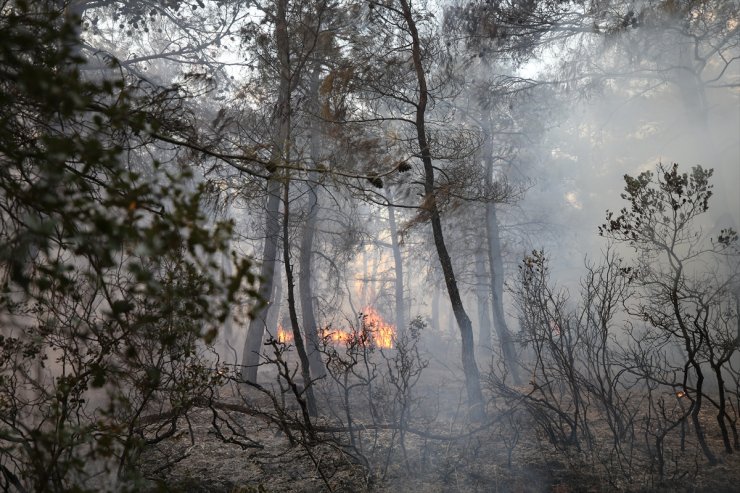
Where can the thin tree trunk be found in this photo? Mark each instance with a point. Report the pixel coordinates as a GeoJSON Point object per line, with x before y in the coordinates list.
{"type": "Point", "coordinates": [273, 311]}
{"type": "Point", "coordinates": [482, 293]}
{"type": "Point", "coordinates": [297, 337]}
{"type": "Point", "coordinates": [398, 263]}
{"type": "Point", "coordinates": [253, 342]}
{"type": "Point", "coordinates": [472, 376]}
{"type": "Point", "coordinates": [305, 287]}
{"type": "Point", "coordinates": [496, 271]}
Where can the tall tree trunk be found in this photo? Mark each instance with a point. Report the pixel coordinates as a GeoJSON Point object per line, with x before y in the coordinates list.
{"type": "Point", "coordinates": [472, 376]}
{"type": "Point", "coordinates": [305, 287]}
{"type": "Point", "coordinates": [496, 271]}
{"type": "Point", "coordinates": [297, 337]}
{"type": "Point", "coordinates": [253, 343]}
{"type": "Point", "coordinates": [273, 311]}
{"type": "Point", "coordinates": [435, 310]}
{"type": "Point", "coordinates": [482, 293]}
{"type": "Point", "coordinates": [398, 263]}
{"type": "Point", "coordinates": [687, 76]}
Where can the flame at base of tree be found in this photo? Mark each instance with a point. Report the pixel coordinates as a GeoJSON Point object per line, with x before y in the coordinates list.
{"type": "Point", "coordinates": [373, 331]}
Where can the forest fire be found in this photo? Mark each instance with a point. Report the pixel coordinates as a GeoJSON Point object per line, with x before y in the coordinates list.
{"type": "Point", "coordinates": [335, 337]}
{"type": "Point", "coordinates": [284, 336]}
{"type": "Point", "coordinates": [383, 333]}
{"type": "Point", "coordinates": [376, 331]}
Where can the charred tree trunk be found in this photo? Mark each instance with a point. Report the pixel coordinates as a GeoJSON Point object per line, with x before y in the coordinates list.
{"type": "Point", "coordinates": [273, 310]}
{"type": "Point", "coordinates": [253, 343]}
{"type": "Point", "coordinates": [472, 376]}
{"type": "Point", "coordinates": [305, 287]}
{"type": "Point", "coordinates": [496, 271]}
{"type": "Point", "coordinates": [297, 337]}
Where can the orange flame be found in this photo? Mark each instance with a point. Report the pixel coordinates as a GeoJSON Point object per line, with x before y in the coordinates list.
{"type": "Point", "coordinates": [374, 330]}
{"type": "Point", "coordinates": [334, 337]}
{"type": "Point", "coordinates": [284, 336]}
{"type": "Point", "coordinates": [383, 333]}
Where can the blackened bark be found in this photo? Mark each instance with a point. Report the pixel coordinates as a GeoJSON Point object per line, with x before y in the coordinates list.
{"type": "Point", "coordinates": [273, 315]}
{"type": "Point", "coordinates": [305, 286]}
{"type": "Point", "coordinates": [297, 336]}
{"type": "Point", "coordinates": [472, 376]}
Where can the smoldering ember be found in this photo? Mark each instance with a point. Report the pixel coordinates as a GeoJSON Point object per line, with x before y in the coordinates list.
{"type": "Point", "coordinates": [253, 246]}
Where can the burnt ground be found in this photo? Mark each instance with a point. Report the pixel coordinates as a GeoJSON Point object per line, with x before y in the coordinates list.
{"type": "Point", "coordinates": [443, 454]}
{"type": "Point", "coordinates": [476, 463]}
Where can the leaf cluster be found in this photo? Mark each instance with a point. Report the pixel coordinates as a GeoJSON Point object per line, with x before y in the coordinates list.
{"type": "Point", "coordinates": [110, 273]}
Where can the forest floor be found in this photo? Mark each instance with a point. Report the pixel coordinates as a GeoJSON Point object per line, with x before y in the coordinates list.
{"type": "Point", "coordinates": [445, 455]}
{"type": "Point", "coordinates": [478, 463]}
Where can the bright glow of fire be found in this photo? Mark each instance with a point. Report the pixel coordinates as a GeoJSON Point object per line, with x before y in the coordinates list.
{"type": "Point", "coordinates": [376, 331]}
{"type": "Point", "coordinates": [284, 336]}
{"type": "Point", "coordinates": [335, 337]}
{"type": "Point", "coordinates": [382, 333]}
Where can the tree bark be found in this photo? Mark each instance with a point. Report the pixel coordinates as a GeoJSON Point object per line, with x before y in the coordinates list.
{"type": "Point", "coordinates": [253, 343]}
{"type": "Point", "coordinates": [496, 271]}
{"type": "Point", "coordinates": [273, 311]}
{"type": "Point", "coordinates": [297, 337]}
{"type": "Point", "coordinates": [482, 293]}
{"type": "Point", "coordinates": [472, 376]}
{"type": "Point", "coordinates": [305, 287]}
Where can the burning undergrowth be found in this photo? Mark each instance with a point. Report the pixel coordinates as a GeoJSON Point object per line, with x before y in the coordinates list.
{"type": "Point", "coordinates": [373, 330]}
